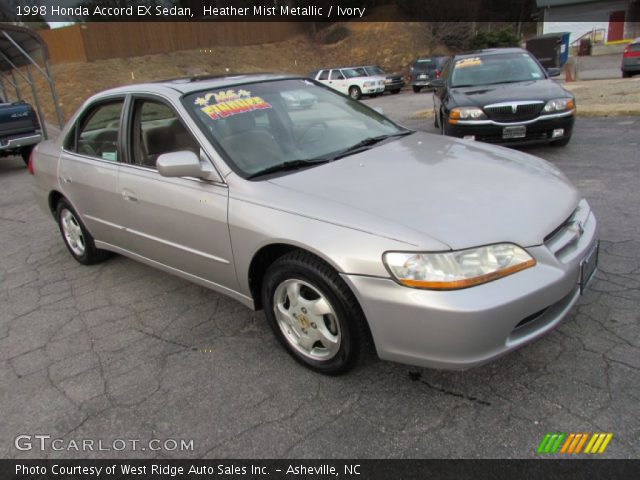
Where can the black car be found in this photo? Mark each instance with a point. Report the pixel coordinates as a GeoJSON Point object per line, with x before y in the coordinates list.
{"type": "Point", "coordinates": [393, 82]}
{"type": "Point", "coordinates": [502, 96]}
{"type": "Point", "coordinates": [423, 70]}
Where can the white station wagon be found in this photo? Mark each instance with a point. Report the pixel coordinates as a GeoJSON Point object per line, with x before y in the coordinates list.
{"type": "Point", "coordinates": [352, 81]}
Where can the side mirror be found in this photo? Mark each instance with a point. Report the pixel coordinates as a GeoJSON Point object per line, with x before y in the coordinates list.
{"type": "Point", "coordinates": [379, 110]}
{"type": "Point", "coordinates": [184, 163]}
{"type": "Point", "coordinates": [553, 72]}
{"type": "Point", "coordinates": [437, 83]}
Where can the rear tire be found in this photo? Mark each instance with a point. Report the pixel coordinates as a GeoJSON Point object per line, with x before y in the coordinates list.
{"type": "Point", "coordinates": [626, 75]}
{"type": "Point", "coordinates": [313, 313]}
{"type": "Point", "coordinates": [355, 93]}
{"type": "Point", "coordinates": [416, 89]}
{"type": "Point", "coordinates": [394, 92]}
{"type": "Point", "coordinates": [76, 237]}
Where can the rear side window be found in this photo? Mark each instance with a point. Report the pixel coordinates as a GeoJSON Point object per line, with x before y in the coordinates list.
{"type": "Point", "coordinates": [324, 75]}
{"type": "Point", "coordinates": [96, 135]}
{"type": "Point", "coordinates": [336, 75]}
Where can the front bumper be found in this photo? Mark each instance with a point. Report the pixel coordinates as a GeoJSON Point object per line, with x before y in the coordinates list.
{"type": "Point", "coordinates": [390, 87]}
{"type": "Point", "coordinates": [539, 130]}
{"type": "Point", "coordinates": [373, 90]}
{"type": "Point", "coordinates": [464, 328]}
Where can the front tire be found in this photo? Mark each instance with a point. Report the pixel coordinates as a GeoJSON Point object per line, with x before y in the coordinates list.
{"type": "Point", "coordinates": [395, 92]}
{"type": "Point", "coordinates": [76, 237]}
{"type": "Point", "coordinates": [416, 89]}
{"type": "Point", "coordinates": [313, 313]}
{"type": "Point", "coordinates": [355, 93]}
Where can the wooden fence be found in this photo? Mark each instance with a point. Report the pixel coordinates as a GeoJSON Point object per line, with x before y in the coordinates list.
{"type": "Point", "coordinates": [99, 41]}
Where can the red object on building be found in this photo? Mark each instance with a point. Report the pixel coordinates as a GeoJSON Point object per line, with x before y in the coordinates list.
{"type": "Point", "coordinates": [616, 26]}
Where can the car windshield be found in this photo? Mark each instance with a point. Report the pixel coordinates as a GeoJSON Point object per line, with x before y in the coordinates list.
{"type": "Point", "coordinates": [492, 69]}
{"type": "Point", "coordinates": [284, 122]}
{"type": "Point", "coordinates": [375, 71]}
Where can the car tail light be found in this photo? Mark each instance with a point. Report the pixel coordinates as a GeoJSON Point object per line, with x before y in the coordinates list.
{"type": "Point", "coordinates": [629, 52]}
{"type": "Point", "coordinates": [437, 73]}
{"type": "Point", "coordinates": [30, 164]}
{"type": "Point", "coordinates": [36, 120]}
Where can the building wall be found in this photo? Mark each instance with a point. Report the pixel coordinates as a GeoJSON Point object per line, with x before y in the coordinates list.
{"type": "Point", "coordinates": [99, 41]}
{"type": "Point", "coordinates": [582, 18]}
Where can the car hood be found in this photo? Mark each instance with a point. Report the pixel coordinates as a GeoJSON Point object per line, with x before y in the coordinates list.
{"type": "Point", "coordinates": [426, 187]}
{"type": "Point", "coordinates": [505, 92]}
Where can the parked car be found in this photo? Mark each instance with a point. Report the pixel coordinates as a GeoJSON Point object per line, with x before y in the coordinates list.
{"type": "Point", "coordinates": [343, 226]}
{"type": "Point", "coordinates": [423, 70]}
{"type": "Point", "coordinates": [392, 82]}
{"type": "Point", "coordinates": [19, 129]}
{"type": "Point", "coordinates": [502, 96]}
{"type": "Point", "coordinates": [350, 81]}
{"type": "Point", "coordinates": [631, 59]}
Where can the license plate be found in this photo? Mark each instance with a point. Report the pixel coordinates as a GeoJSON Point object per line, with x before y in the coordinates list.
{"type": "Point", "coordinates": [518, 131]}
{"type": "Point", "coordinates": [588, 267]}
{"type": "Point", "coordinates": [422, 76]}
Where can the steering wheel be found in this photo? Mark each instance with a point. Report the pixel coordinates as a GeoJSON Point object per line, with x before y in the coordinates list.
{"type": "Point", "coordinates": [306, 130]}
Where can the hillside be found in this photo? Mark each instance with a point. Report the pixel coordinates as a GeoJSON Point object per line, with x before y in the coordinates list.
{"type": "Point", "coordinates": [391, 45]}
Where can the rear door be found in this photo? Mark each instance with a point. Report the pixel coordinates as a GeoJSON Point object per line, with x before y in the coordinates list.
{"type": "Point", "coordinates": [89, 166]}
{"type": "Point", "coordinates": [180, 223]}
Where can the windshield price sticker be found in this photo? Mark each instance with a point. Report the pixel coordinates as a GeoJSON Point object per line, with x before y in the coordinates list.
{"type": "Point", "coordinates": [226, 103]}
{"type": "Point", "coordinates": [468, 62]}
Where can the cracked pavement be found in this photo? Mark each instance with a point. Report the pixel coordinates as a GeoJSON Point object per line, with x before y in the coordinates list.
{"type": "Point", "coordinates": [123, 351]}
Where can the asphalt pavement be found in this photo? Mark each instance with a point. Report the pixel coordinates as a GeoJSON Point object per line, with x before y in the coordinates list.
{"type": "Point", "coordinates": [120, 351]}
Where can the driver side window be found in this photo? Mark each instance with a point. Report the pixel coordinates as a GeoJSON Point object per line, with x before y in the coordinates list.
{"type": "Point", "coordinates": [336, 75]}
{"type": "Point", "coordinates": [97, 134]}
{"type": "Point", "coordinates": [157, 130]}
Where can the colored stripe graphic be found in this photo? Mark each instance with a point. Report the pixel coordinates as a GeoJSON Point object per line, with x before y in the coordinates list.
{"type": "Point", "coordinates": [573, 443]}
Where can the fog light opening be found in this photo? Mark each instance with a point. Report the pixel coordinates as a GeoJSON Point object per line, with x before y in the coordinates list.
{"type": "Point", "coordinates": [558, 132]}
{"type": "Point", "coordinates": [469, 137]}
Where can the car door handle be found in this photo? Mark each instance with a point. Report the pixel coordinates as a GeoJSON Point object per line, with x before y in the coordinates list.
{"type": "Point", "coordinates": [66, 179]}
{"type": "Point", "coordinates": [127, 195]}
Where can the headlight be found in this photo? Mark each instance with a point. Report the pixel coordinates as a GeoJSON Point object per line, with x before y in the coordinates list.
{"type": "Point", "coordinates": [368, 84]}
{"type": "Point", "coordinates": [459, 269]}
{"type": "Point", "coordinates": [466, 113]}
{"type": "Point", "coordinates": [559, 105]}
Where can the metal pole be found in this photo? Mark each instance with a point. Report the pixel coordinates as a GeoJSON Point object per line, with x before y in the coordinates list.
{"type": "Point", "coordinates": [15, 85]}
{"type": "Point", "coordinates": [2, 89]}
{"type": "Point", "coordinates": [43, 122]}
{"type": "Point", "coordinates": [23, 52]}
{"type": "Point", "coordinates": [54, 96]}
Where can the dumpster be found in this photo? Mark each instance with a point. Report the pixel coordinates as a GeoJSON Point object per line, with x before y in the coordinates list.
{"type": "Point", "coordinates": [551, 49]}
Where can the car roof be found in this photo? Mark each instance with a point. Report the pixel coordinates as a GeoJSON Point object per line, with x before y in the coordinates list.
{"type": "Point", "coordinates": [490, 51]}
{"type": "Point", "coordinates": [185, 85]}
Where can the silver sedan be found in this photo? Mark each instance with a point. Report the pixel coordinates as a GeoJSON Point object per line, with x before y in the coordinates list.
{"type": "Point", "coordinates": [346, 228]}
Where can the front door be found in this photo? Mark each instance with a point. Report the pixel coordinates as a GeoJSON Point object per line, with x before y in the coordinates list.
{"type": "Point", "coordinates": [338, 82]}
{"type": "Point", "coordinates": [180, 223]}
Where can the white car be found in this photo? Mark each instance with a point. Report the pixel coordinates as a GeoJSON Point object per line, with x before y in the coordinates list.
{"type": "Point", "coordinates": [350, 81]}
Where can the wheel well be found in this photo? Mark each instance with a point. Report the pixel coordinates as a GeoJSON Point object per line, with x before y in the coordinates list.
{"type": "Point", "coordinates": [54, 198]}
{"type": "Point", "coordinates": [259, 264]}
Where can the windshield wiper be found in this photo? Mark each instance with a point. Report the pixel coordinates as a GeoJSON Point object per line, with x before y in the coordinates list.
{"type": "Point", "coordinates": [366, 143]}
{"type": "Point", "coordinates": [289, 165]}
